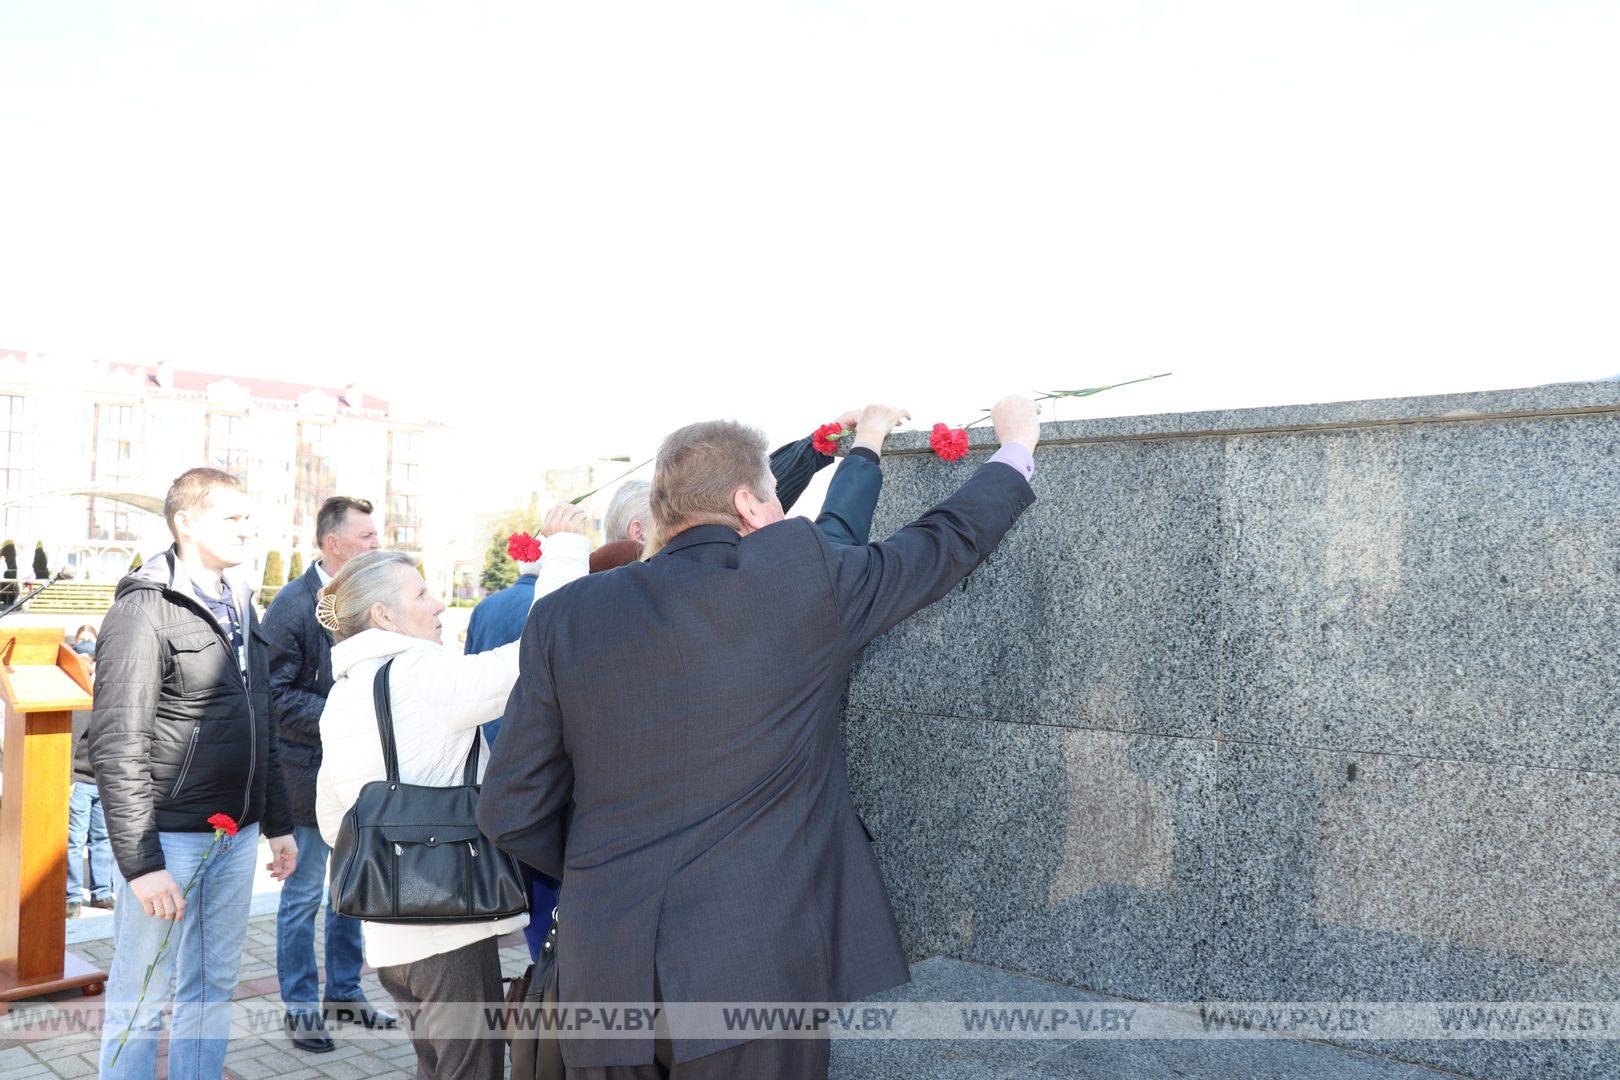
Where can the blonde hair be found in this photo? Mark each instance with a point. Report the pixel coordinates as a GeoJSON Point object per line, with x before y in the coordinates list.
{"type": "Point", "coordinates": [700, 467]}
{"type": "Point", "coordinates": [344, 606]}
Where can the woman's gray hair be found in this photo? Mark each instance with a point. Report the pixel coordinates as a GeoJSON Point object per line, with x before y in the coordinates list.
{"type": "Point", "coordinates": [345, 605]}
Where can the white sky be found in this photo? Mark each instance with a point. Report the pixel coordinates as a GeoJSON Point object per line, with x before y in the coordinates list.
{"type": "Point", "coordinates": [568, 228]}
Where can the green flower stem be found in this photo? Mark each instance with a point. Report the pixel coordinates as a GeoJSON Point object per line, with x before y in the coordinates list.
{"type": "Point", "coordinates": [163, 946]}
{"type": "Point", "coordinates": [1053, 395]}
{"type": "Point", "coordinates": [610, 483]}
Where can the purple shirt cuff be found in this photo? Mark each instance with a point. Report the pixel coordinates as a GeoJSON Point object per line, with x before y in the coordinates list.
{"type": "Point", "coordinates": [1018, 456]}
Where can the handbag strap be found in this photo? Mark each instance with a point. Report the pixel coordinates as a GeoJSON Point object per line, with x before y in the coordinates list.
{"type": "Point", "coordinates": [469, 772]}
{"type": "Point", "coordinates": [385, 730]}
{"type": "Point", "coordinates": [385, 722]}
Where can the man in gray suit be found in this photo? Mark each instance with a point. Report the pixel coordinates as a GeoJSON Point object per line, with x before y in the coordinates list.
{"type": "Point", "coordinates": [685, 779]}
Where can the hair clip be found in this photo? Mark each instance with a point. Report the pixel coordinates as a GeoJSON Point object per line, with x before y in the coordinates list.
{"type": "Point", "coordinates": [326, 610]}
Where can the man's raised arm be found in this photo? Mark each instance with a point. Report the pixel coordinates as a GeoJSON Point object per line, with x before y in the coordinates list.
{"type": "Point", "coordinates": [878, 585]}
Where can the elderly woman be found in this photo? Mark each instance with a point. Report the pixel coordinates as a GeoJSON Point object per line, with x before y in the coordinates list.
{"type": "Point", "coordinates": [379, 608]}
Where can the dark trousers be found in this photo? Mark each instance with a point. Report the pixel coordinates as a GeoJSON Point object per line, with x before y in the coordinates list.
{"type": "Point", "coordinates": [471, 973]}
{"type": "Point", "coordinates": [779, 1059]}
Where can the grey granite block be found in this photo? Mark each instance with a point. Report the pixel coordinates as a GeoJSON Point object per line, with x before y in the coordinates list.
{"type": "Point", "coordinates": [1448, 590]}
{"type": "Point", "coordinates": [1079, 856]}
{"type": "Point", "coordinates": [1100, 609]}
{"type": "Point", "coordinates": [1421, 880]}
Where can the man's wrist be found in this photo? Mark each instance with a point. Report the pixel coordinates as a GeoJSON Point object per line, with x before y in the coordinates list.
{"type": "Point", "coordinates": [876, 451]}
{"type": "Point", "coordinates": [1017, 456]}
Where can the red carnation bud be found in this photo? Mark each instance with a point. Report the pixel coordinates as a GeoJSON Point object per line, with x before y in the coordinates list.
{"type": "Point", "coordinates": [825, 439]}
{"type": "Point", "coordinates": [949, 443]}
{"type": "Point", "coordinates": [521, 547]}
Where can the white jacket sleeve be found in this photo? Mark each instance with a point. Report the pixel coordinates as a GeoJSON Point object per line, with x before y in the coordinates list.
{"type": "Point", "coordinates": [472, 690]}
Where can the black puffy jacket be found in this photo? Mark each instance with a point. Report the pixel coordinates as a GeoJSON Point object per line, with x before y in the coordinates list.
{"type": "Point", "coordinates": [177, 734]}
{"type": "Point", "coordinates": [300, 679]}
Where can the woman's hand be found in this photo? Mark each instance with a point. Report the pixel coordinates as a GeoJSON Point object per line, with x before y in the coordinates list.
{"type": "Point", "coordinates": [564, 517]}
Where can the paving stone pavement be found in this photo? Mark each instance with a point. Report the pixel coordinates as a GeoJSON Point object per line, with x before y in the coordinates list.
{"type": "Point", "coordinates": [380, 1054]}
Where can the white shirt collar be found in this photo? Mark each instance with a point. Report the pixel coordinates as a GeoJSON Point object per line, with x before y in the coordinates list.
{"type": "Point", "coordinates": [320, 568]}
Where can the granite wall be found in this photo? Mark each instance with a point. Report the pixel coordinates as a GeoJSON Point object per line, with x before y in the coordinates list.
{"type": "Point", "coordinates": [1315, 703]}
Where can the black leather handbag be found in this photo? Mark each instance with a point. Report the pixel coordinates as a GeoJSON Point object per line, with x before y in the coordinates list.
{"type": "Point", "coordinates": [535, 1052]}
{"type": "Point", "coordinates": [412, 854]}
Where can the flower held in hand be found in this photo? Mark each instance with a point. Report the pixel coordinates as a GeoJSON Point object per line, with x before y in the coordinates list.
{"type": "Point", "coordinates": [521, 547]}
{"type": "Point", "coordinates": [825, 438]}
{"type": "Point", "coordinates": [949, 443]}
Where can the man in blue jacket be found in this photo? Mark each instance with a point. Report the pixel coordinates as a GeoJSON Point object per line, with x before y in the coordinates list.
{"type": "Point", "coordinates": [846, 518]}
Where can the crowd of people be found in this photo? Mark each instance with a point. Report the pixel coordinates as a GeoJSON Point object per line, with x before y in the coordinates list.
{"type": "Point", "coordinates": [655, 726]}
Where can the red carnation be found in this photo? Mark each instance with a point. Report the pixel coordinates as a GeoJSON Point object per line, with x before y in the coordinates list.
{"type": "Point", "coordinates": [521, 547]}
{"type": "Point", "coordinates": [825, 439]}
{"type": "Point", "coordinates": [949, 443]}
{"type": "Point", "coordinates": [223, 823]}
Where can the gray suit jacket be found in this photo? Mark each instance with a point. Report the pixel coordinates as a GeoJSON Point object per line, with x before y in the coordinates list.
{"type": "Point", "coordinates": [677, 721]}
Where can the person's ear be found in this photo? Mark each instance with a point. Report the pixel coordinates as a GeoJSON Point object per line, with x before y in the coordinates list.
{"type": "Point", "coordinates": [382, 617]}
{"type": "Point", "coordinates": [750, 509]}
{"type": "Point", "coordinates": [636, 533]}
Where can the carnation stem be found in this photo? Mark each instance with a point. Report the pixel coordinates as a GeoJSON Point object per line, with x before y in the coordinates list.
{"type": "Point", "coordinates": [1053, 395]}
{"type": "Point", "coordinates": [610, 483]}
{"type": "Point", "coordinates": [163, 948]}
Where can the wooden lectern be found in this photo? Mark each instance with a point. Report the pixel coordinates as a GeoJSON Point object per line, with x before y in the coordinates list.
{"type": "Point", "coordinates": [43, 682]}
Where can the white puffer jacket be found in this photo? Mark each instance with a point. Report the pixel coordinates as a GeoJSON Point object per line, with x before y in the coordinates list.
{"type": "Point", "coordinates": [439, 699]}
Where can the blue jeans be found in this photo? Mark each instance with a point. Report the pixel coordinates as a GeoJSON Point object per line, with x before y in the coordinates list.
{"type": "Point", "coordinates": [204, 954]}
{"type": "Point", "coordinates": [86, 824]}
{"type": "Point", "coordinates": [301, 897]}
{"type": "Point", "coordinates": [542, 898]}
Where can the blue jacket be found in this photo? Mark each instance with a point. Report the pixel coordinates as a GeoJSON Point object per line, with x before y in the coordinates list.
{"type": "Point", "coordinates": [498, 619]}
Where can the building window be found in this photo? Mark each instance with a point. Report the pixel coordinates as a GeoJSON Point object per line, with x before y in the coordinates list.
{"type": "Point", "coordinates": [404, 478]}
{"type": "Point", "coordinates": [228, 444]}
{"type": "Point", "coordinates": [16, 470]}
{"type": "Point", "coordinates": [115, 461]}
{"type": "Point", "coordinates": [315, 480]}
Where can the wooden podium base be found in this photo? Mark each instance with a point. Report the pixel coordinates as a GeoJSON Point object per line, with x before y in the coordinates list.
{"type": "Point", "coordinates": [75, 973]}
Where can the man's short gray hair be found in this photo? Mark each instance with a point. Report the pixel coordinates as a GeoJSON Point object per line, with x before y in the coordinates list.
{"type": "Point", "coordinates": [632, 502]}
{"type": "Point", "coordinates": [700, 467]}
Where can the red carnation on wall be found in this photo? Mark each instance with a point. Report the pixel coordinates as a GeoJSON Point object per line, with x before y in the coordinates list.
{"type": "Point", "coordinates": [521, 547]}
{"type": "Point", "coordinates": [825, 438]}
{"type": "Point", "coordinates": [949, 443]}
{"type": "Point", "coordinates": [223, 823]}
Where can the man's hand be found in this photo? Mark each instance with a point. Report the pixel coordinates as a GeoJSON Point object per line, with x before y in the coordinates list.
{"type": "Point", "coordinates": [848, 419]}
{"type": "Point", "coordinates": [1017, 420]}
{"type": "Point", "coordinates": [159, 895]}
{"type": "Point", "coordinates": [283, 857]}
{"type": "Point", "coordinates": [875, 423]}
{"type": "Point", "coordinates": [563, 518]}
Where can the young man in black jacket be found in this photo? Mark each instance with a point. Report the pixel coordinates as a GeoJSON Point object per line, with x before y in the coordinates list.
{"type": "Point", "coordinates": [180, 732]}
{"type": "Point", "coordinates": [300, 676]}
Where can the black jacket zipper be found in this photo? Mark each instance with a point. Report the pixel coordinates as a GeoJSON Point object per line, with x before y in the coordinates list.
{"type": "Point", "coordinates": [185, 766]}
{"type": "Point", "coordinates": [241, 674]}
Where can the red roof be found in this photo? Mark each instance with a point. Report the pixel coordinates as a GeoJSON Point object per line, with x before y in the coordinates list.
{"type": "Point", "coordinates": [266, 389]}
